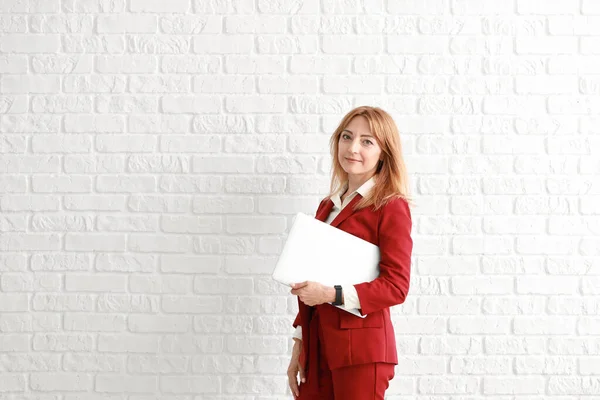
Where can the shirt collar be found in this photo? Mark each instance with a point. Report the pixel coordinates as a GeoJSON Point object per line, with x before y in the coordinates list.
{"type": "Point", "coordinates": [363, 190]}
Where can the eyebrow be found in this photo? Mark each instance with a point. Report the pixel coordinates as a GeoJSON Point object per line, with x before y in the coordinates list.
{"type": "Point", "coordinates": [348, 130]}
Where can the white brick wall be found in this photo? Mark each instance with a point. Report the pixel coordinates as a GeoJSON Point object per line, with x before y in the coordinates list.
{"type": "Point", "coordinates": [153, 153]}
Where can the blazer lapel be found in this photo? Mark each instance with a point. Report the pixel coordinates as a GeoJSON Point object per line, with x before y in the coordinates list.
{"type": "Point", "coordinates": [324, 213]}
{"type": "Point", "coordinates": [346, 211]}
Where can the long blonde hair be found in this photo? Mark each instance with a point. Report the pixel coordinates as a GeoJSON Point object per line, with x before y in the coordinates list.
{"type": "Point", "coordinates": [391, 176]}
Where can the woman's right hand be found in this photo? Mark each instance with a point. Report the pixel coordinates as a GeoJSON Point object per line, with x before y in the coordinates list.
{"type": "Point", "coordinates": [295, 369]}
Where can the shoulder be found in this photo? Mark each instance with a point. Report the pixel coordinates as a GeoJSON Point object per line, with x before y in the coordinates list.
{"type": "Point", "coordinates": [395, 218]}
{"type": "Point", "coordinates": [396, 206]}
{"type": "Point", "coordinates": [322, 203]}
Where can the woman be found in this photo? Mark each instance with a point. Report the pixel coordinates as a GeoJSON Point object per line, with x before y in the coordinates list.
{"type": "Point", "coordinates": [338, 355]}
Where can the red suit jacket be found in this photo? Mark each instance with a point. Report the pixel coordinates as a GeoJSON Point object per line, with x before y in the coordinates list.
{"type": "Point", "coordinates": [348, 339]}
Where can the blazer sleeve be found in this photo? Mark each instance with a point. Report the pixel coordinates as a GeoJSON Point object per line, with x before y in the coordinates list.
{"type": "Point", "coordinates": [395, 248]}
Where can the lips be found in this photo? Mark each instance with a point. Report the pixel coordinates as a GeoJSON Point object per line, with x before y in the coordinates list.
{"type": "Point", "coordinates": [352, 160]}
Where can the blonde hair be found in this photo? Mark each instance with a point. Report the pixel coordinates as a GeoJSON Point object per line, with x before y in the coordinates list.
{"type": "Point", "coordinates": [391, 176]}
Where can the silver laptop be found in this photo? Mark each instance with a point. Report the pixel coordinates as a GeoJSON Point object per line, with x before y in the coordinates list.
{"type": "Point", "coordinates": [317, 251]}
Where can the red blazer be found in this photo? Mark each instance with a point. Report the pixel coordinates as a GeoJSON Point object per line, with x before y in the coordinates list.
{"type": "Point", "coordinates": [348, 339]}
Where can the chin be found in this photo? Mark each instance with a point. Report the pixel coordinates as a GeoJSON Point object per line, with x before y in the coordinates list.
{"type": "Point", "coordinates": [355, 171]}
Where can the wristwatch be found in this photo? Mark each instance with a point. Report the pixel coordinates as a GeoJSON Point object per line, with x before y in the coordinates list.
{"type": "Point", "coordinates": [338, 296]}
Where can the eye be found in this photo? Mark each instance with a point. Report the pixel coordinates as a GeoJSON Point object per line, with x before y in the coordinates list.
{"type": "Point", "coordinates": [367, 141]}
{"type": "Point", "coordinates": [345, 136]}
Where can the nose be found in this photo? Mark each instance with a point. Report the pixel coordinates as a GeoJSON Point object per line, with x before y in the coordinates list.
{"type": "Point", "coordinates": [354, 146]}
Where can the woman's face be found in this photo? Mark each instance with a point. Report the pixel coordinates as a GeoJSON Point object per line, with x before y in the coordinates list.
{"type": "Point", "coordinates": [358, 151]}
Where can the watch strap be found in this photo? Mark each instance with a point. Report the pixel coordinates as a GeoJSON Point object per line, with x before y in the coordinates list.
{"type": "Point", "coordinates": [338, 295]}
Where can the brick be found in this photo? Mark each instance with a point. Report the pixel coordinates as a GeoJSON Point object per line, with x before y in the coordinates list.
{"type": "Point", "coordinates": [95, 283]}
{"type": "Point", "coordinates": [94, 322]}
{"type": "Point", "coordinates": [94, 123]}
{"type": "Point", "coordinates": [83, 84]}
{"type": "Point", "coordinates": [284, 7]}
{"type": "Point", "coordinates": [95, 242]}
{"type": "Point", "coordinates": [13, 64]}
{"type": "Point", "coordinates": [544, 326]}
{"type": "Point", "coordinates": [95, 44]}
{"type": "Point", "coordinates": [127, 64]}
{"type": "Point", "coordinates": [201, 144]}
{"type": "Point", "coordinates": [13, 184]}
{"type": "Point", "coordinates": [125, 263]}
{"type": "Point", "coordinates": [546, 7]}
{"type": "Point", "coordinates": [449, 385]}
{"type": "Point", "coordinates": [63, 342]}
{"type": "Point", "coordinates": [257, 24]}
{"type": "Point", "coordinates": [158, 6]}
{"type": "Point", "coordinates": [191, 24]}
{"type": "Point", "coordinates": [230, 44]}
{"type": "Point", "coordinates": [23, 362]}
{"type": "Point", "coordinates": [190, 104]}
{"type": "Point", "coordinates": [190, 384]}
{"type": "Point", "coordinates": [61, 184]}
{"type": "Point", "coordinates": [41, 381]}
{"type": "Point", "coordinates": [13, 24]}
{"type": "Point", "coordinates": [27, 43]}
{"type": "Point", "coordinates": [12, 383]}
{"type": "Point", "coordinates": [417, 7]}
{"type": "Point", "coordinates": [60, 262]}
{"type": "Point", "coordinates": [123, 383]}
{"type": "Point", "coordinates": [63, 302]}
{"type": "Point", "coordinates": [147, 243]}
{"type": "Point", "coordinates": [33, 241]}
{"type": "Point", "coordinates": [30, 282]}
{"type": "Point", "coordinates": [93, 6]}
{"type": "Point", "coordinates": [168, 284]}
{"type": "Point", "coordinates": [190, 264]}
{"type": "Point", "coordinates": [127, 24]}
{"type": "Point", "coordinates": [160, 324]}
{"type": "Point", "coordinates": [125, 103]}
{"type": "Point", "coordinates": [158, 44]}
{"type": "Point", "coordinates": [209, 285]}
{"type": "Point", "coordinates": [128, 303]}
{"type": "Point", "coordinates": [157, 364]}
{"type": "Point", "coordinates": [93, 363]}
{"type": "Point", "coordinates": [61, 24]}
{"type": "Point", "coordinates": [232, 364]}
{"type": "Point", "coordinates": [520, 385]}
{"type": "Point", "coordinates": [127, 183]}
{"type": "Point", "coordinates": [145, 203]}
{"type": "Point", "coordinates": [192, 344]}
{"type": "Point", "coordinates": [128, 343]}
{"type": "Point", "coordinates": [190, 63]}
{"type": "Point", "coordinates": [192, 305]}
{"type": "Point", "coordinates": [35, 84]}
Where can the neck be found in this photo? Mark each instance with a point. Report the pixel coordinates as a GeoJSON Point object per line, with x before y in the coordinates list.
{"type": "Point", "coordinates": [356, 181]}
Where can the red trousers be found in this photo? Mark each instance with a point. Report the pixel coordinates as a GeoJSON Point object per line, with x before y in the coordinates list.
{"type": "Point", "coordinates": [355, 382]}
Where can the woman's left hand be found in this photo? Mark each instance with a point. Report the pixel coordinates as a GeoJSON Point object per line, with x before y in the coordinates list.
{"type": "Point", "coordinates": [313, 293]}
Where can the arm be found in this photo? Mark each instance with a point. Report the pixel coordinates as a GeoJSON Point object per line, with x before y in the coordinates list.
{"type": "Point", "coordinates": [395, 247]}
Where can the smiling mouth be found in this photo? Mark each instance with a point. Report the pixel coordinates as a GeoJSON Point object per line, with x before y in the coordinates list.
{"type": "Point", "coordinates": [350, 159]}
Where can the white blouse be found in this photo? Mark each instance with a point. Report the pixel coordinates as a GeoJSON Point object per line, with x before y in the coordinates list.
{"type": "Point", "coordinates": [351, 299]}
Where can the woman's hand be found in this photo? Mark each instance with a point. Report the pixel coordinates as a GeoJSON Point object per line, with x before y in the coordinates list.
{"type": "Point", "coordinates": [313, 293]}
{"type": "Point", "coordinates": [296, 369]}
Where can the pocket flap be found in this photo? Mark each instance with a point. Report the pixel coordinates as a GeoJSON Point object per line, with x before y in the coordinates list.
{"type": "Point", "coordinates": [349, 321]}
